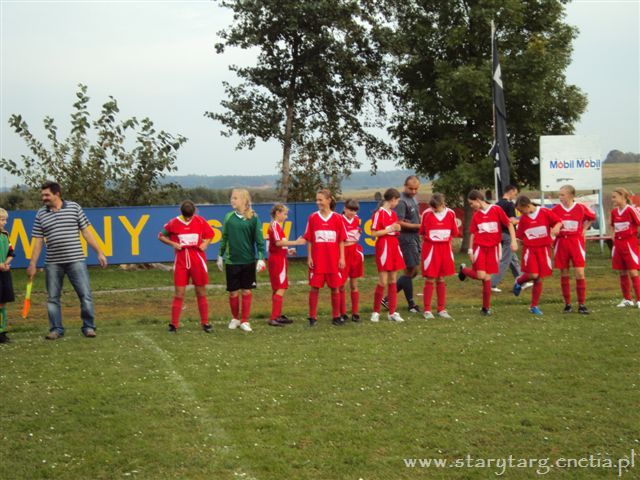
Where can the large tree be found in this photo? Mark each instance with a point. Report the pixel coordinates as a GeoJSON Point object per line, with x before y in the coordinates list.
{"type": "Point", "coordinates": [316, 87]}
{"type": "Point", "coordinates": [442, 96]}
{"type": "Point", "coordinates": [99, 167]}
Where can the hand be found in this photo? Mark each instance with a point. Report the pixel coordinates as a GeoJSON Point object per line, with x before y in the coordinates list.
{"type": "Point", "coordinates": [514, 246]}
{"type": "Point", "coordinates": [220, 263]}
{"type": "Point", "coordinates": [341, 263]}
{"type": "Point", "coordinates": [300, 241]}
{"type": "Point", "coordinates": [260, 266]}
{"type": "Point", "coordinates": [31, 271]}
{"type": "Point", "coordinates": [4, 267]}
{"type": "Point", "coordinates": [556, 230]}
{"type": "Point", "coordinates": [292, 251]}
{"type": "Point", "coordinates": [310, 262]}
{"type": "Point", "coordinates": [102, 259]}
{"type": "Point", "coordinates": [177, 246]}
{"type": "Point", "coordinates": [470, 253]}
{"type": "Point", "coordinates": [203, 246]}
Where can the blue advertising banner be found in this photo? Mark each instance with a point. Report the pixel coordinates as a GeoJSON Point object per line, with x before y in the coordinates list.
{"type": "Point", "coordinates": [130, 234]}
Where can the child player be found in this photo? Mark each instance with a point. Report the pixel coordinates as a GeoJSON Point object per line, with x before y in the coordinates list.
{"type": "Point", "coordinates": [6, 284]}
{"type": "Point", "coordinates": [485, 243]}
{"type": "Point", "coordinates": [189, 235]}
{"type": "Point", "coordinates": [325, 235]}
{"type": "Point", "coordinates": [625, 256]}
{"type": "Point", "coordinates": [569, 246]}
{"type": "Point", "coordinates": [437, 229]}
{"type": "Point", "coordinates": [535, 228]}
{"type": "Point", "coordinates": [354, 260]}
{"type": "Point", "coordinates": [277, 262]}
{"type": "Point", "coordinates": [385, 228]}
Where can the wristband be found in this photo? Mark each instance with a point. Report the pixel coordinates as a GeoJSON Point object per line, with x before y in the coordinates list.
{"type": "Point", "coordinates": [470, 251]}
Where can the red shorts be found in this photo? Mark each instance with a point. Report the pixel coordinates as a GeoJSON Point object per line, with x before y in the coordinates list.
{"type": "Point", "coordinates": [437, 260]}
{"type": "Point", "coordinates": [318, 280]}
{"type": "Point", "coordinates": [190, 263]}
{"type": "Point", "coordinates": [388, 255]}
{"type": "Point", "coordinates": [354, 262]}
{"type": "Point", "coordinates": [487, 259]}
{"type": "Point", "coordinates": [569, 250]}
{"type": "Point", "coordinates": [625, 254]}
{"type": "Point", "coordinates": [537, 260]}
{"type": "Point", "coordinates": [278, 272]}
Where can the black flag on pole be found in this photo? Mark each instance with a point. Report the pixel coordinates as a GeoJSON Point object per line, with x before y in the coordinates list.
{"type": "Point", "coordinates": [500, 148]}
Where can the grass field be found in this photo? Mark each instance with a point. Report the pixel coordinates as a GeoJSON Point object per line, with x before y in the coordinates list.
{"type": "Point", "coordinates": [352, 402]}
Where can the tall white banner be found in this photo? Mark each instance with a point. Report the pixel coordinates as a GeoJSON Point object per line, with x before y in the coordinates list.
{"type": "Point", "coordinates": [570, 159]}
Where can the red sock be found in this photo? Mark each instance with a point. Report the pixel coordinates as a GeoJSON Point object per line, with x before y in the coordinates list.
{"type": "Point", "coordinates": [536, 292]}
{"type": "Point", "coordinates": [335, 303]}
{"type": "Point", "coordinates": [392, 297]}
{"type": "Point", "coordinates": [377, 298]}
{"type": "Point", "coordinates": [427, 295]}
{"type": "Point", "coordinates": [625, 286]}
{"type": "Point", "coordinates": [470, 272]}
{"type": "Point", "coordinates": [276, 306]}
{"type": "Point", "coordinates": [355, 302]}
{"type": "Point", "coordinates": [234, 303]}
{"type": "Point", "coordinates": [176, 308]}
{"type": "Point", "coordinates": [313, 303]}
{"type": "Point", "coordinates": [636, 286]}
{"type": "Point", "coordinates": [441, 292]}
{"type": "Point", "coordinates": [524, 278]}
{"type": "Point", "coordinates": [203, 308]}
{"type": "Point", "coordinates": [565, 284]}
{"type": "Point", "coordinates": [581, 290]}
{"type": "Point", "coordinates": [343, 302]}
{"type": "Point", "coordinates": [486, 294]}
{"type": "Point", "coordinates": [246, 307]}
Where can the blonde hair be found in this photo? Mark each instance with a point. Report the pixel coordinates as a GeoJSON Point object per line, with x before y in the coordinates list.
{"type": "Point", "coordinates": [624, 193]}
{"type": "Point", "coordinates": [4, 213]}
{"type": "Point", "coordinates": [278, 207]}
{"type": "Point", "coordinates": [569, 189]}
{"type": "Point", "coordinates": [245, 198]}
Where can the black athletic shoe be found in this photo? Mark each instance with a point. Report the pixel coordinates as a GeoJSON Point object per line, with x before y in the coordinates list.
{"type": "Point", "coordinates": [284, 320]}
{"type": "Point", "coordinates": [413, 308]}
{"type": "Point", "coordinates": [4, 338]}
{"type": "Point", "coordinates": [345, 318]}
{"type": "Point", "coordinates": [172, 328]}
{"type": "Point", "coordinates": [583, 310]}
{"type": "Point", "coordinates": [207, 328]}
{"type": "Point", "coordinates": [355, 318]}
{"type": "Point", "coordinates": [567, 308]}
{"type": "Point", "coordinates": [461, 274]}
{"type": "Point", "coordinates": [485, 312]}
{"type": "Point", "coordinates": [275, 323]}
{"type": "Point", "coordinates": [385, 303]}
{"type": "Point", "coordinates": [338, 321]}
{"type": "Point", "coordinates": [312, 321]}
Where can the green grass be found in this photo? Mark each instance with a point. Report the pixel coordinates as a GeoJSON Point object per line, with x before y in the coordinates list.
{"type": "Point", "coordinates": [322, 403]}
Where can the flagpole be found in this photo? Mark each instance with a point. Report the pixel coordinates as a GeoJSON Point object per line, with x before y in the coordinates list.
{"type": "Point", "coordinates": [493, 107]}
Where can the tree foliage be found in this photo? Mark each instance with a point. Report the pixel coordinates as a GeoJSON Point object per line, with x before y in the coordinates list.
{"type": "Point", "coordinates": [97, 168]}
{"type": "Point", "coordinates": [316, 87]}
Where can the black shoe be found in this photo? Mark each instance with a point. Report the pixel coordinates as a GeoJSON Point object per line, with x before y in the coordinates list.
{"type": "Point", "coordinates": [312, 321]}
{"type": "Point", "coordinates": [485, 312]}
{"type": "Point", "coordinates": [338, 321]}
{"type": "Point", "coordinates": [582, 309]}
{"type": "Point", "coordinates": [283, 320]}
{"type": "Point", "coordinates": [355, 318]}
{"type": "Point", "coordinates": [567, 308]}
{"type": "Point", "coordinates": [207, 328]}
{"type": "Point", "coordinates": [4, 338]}
{"type": "Point", "coordinates": [413, 308]}
{"type": "Point", "coordinates": [345, 318]}
{"type": "Point", "coordinates": [461, 274]}
{"type": "Point", "coordinates": [385, 303]}
{"type": "Point", "coordinates": [275, 323]}
{"type": "Point", "coordinates": [172, 328]}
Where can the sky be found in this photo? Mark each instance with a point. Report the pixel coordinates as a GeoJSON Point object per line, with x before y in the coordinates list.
{"type": "Point", "coordinates": [157, 58]}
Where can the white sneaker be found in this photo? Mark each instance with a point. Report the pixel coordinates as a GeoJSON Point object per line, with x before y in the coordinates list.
{"type": "Point", "coordinates": [638, 303]}
{"type": "Point", "coordinates": [495, 289]}
{"type": "Point", "coordinates": [245, 327]}
{"type": "Point", "coordinates": [428, 315]}
{"type": "Point", "coordinates": [625, 303]}
{"type": "Point", "coordinates": [234, 323]}
{"type": "Point", "coordinates": [444, 314]}
{"type": "Point", "coordinates": [527, 285]}
{"type": "Point", "coordinates": [375, 317]}
{"type": "Point", "coordinates": [395, 317]}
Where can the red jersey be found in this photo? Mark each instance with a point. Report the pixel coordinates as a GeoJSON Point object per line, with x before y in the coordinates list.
{"type": "Point", "coordinates": [275, 234]}
{"type": "Point", "coordinates": [325, 234]}
{"type": "Point", "coordinates": [189, 234]}
{"type": "Point", "coordinates": [625, 222]}
{"type": "Point", "coordinates": [438, 227]}
{"type": "Point", "coordinates": [534, 228]}
{"type": "Point", "coordinates": [353, 228]}
{"type": "Point", "coordinates": [382, 219]}
{"type": "Point", "coordinates": [486, 226]}
{"type": "Point", "coordinates": [573, 219]}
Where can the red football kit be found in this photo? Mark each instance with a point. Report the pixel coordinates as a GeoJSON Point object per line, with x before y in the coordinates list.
{"type": "Point", "coordinates": [190, 261]}
{"type": "Point", "coordinates": [569, 246]}
{"type": "Point", "coordinates": [486, 227]}
{"type": "Point", "coordinates": [437, 230]}
{"type": "Point", "coordinates": [388, 253]}
{"type": "Point", "coordinates": [625, 254]}
{"type": "Point", "coordinates": [325, 234]}
{"type": "Point", "coordinates": [353, 254]}
{"type": "Point", "coordinates": [534, 231]}
{"type": "Point", "coordinates": [277, 262]}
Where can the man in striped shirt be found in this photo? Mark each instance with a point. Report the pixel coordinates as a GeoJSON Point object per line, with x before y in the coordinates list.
{"type": "Point", "coordinates": [59, 222]}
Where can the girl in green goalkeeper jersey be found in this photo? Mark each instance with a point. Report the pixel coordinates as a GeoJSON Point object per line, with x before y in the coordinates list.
{"type": "Point", "coordinates": [6, 285]}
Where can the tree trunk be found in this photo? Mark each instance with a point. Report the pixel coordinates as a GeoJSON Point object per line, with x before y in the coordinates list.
{"type": "Point", "coordinates": [286, 151]}
{"type": "Point", "coordinates": [468, 213]}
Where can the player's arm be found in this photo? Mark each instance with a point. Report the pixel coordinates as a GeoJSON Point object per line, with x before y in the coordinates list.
{"type": "Point", "coordinates": [341, 262]}
{"type": "Point", "coordinates": [512, 235]}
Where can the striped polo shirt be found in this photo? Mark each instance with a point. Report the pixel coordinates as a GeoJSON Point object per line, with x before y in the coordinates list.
{"type": "Point", "coordinates": [60, 230]}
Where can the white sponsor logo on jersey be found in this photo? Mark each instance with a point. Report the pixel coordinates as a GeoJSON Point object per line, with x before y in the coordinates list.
{"type": "Point", "coordinates": [621, 226]}
{"type": "Point", "coordinates": [536, 232]}
{"type": "Point", "coordinates": [570, 225]}
{"type": "Point", "coordinates": [188, 239]}
{"type": "Point", "coordinates": [488, 227]}
{"type": "Point", "coordinates": [326, 236]}
{"type": "Point", "coordinates": [440, 235]}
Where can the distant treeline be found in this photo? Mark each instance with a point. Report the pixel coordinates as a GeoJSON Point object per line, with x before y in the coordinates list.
{"type": "Point", "coordinates": [616, 156]}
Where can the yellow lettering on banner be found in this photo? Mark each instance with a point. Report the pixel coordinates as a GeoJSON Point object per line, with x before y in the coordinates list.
{"type": "Point", "coordinates": [265, 230]}
{"type": "Point", "coordinates": [19, 232]}
{"type": "Point", "coordinates": [106, 246]}
{"type": "Point", "coordinates": [367, 229]}
{"type": "Point", "coordinates": [217, 233]}
{"type": "Point", "coordinates": [134, 231]}
{"type": "Point", "coordinates": [287, 229]}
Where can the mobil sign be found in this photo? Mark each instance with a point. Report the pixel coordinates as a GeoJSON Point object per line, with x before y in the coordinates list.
{"type": "Point", "coordinates": [570, 159]}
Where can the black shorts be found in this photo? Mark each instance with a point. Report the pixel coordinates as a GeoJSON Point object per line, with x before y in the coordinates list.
{"type": "Point", "coordinates": [241, 277]}
{"type": "Point", "coordinates": [410, 247]}
{"type": "Point", "coordinates": [6, 288]}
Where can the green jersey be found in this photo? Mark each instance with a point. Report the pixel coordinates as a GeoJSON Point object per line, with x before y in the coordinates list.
{"type": "Point", "coordinates": [241, 237]}
{"type": "Point", "coordinates": [6, 250]}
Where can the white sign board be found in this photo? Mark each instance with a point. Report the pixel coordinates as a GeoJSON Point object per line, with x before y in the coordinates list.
{"type": "Point", "coordinates": [570, 159]}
